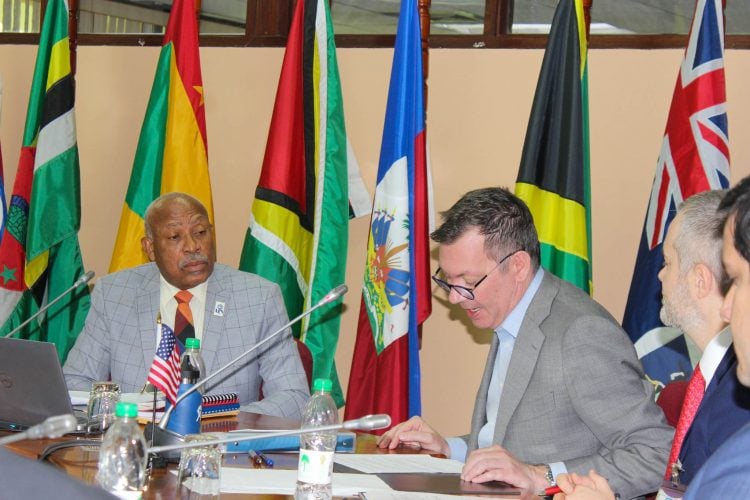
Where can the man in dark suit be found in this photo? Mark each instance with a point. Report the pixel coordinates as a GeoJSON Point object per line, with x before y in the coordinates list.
{"type": "Point", "coordinates": [562, 388]}
{"type": "Point", "coordinates": [692, 279]}
{"type": "Point", "coordinates": [231, 312]}
{"type": "Point", "coordinates": [725, 474]}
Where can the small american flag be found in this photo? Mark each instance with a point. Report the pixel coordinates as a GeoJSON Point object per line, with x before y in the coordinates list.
{"type": "Point", "coordinates": [165, 369]}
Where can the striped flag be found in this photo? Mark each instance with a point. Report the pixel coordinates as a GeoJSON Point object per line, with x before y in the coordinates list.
{"type": "Point", "coordinates": [396, 298]}
{"type": "Point", "coordinates": [39, 253]}
{"type": "Point", "coordinates": [172, 153]}
{"type": "Point", "coordinates": [553, 178]}
{"type": "Point", "coordinates": [694, 157]}
{"type": "Point", "coordinates": [298, 231]}
{"type": "Point", "coordinates": [164, 373]}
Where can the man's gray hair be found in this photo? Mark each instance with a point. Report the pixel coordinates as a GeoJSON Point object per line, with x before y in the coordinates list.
{"type": "Point", "coordinates": [161, 200]}
{"type": "Point", "coordinates": [697, 241]}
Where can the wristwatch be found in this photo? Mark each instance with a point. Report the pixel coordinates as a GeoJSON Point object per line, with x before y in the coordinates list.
{"type": "Point", "coordinates": [548, 474]}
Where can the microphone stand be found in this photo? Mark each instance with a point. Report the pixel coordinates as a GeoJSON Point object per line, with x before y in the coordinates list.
{"type": "Point", "coordinates": [80, 281]}
{"type": "Point", "coordinates": [369, 422]}
{"type": "Point", "coordinates": [51, 428]}
{"type": "Point", "coordinates": [161, 436]}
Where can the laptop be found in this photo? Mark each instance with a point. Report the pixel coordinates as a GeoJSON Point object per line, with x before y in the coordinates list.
{"type": "Point", "coordinates": [32, 387]}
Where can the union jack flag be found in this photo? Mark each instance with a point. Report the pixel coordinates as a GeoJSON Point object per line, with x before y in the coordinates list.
{"type": "Point", "coordinates": [694, 157]}
{"type": "Point", "coordinates": [165, 369]}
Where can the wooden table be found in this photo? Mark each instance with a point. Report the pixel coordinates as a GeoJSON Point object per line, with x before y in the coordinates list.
{"type": "Point", "coordinates": [81, 461]}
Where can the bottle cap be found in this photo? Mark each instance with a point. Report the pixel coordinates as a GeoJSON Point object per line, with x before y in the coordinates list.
{"type": "Point", "coordinates": [124, 409]}
{"type": "Point", "coordinates": [192, 343]}
{"type": "Point", "coordinates": [322, 384]}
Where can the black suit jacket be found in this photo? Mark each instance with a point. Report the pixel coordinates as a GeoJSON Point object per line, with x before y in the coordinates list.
{"type": "Point", "coordinates": [724, 409]}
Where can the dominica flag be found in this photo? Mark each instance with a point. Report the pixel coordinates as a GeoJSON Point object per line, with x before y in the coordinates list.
{"type": "Point", "coordinates": [396, 297]}
{"type": "Point", "coordinates": [694, 157]}
{"type": "Point", "coordinates": [39, 253]}
{"type": "Point", "coordinates": [553, 178]}
{"type": "Point", "coordinates": [298, 231]}
{"type": "Point", "coordinates": [172, 152]}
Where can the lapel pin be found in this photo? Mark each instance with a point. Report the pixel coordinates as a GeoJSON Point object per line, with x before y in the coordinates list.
{"type": "Point", "coordinates": [219, 309]}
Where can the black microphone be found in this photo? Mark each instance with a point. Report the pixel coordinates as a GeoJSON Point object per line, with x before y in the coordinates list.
{"type": "Point", "coordinates": [51, 428]}
{"type": "Point", "coordinates": [163, 435]}
{"type": "Point", "coordinates": [367, 423]}
{"type": "Point", "coordinates": [85, 278]}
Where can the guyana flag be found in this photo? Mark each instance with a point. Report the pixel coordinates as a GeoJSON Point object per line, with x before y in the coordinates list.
{"type": "Point", "coordinates": [298, 231]}
{"type": "Point", "coordinates": [39, 254]}
{"type": "Point", "coordinates": [553, 178]}
{"type": "Point", "coordinates": [172, 153]}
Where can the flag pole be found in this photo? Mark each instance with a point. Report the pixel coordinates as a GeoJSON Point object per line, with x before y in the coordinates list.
{"type": "Point", "coordinates": [197, 5]}
{"type": "Point", "coordinates": [587, 17]}
{"type": "Point", "coordinates": [424, 22]}
{"type": "Point", "coordinates": [73, 35]}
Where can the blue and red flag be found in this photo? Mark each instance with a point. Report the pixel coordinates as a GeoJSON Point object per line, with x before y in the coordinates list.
{"type": "Point", "coordinates": [164, 373]}
{"type": "Point", "coordinates": [396, 299]}
{"type": "Point", "coordinates": [694, 157]}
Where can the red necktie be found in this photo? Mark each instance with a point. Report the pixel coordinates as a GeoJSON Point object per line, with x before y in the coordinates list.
{"type": "Point", "coordinates": [693, 396]}
{"type": "Point", "coordinates": [183, 319]}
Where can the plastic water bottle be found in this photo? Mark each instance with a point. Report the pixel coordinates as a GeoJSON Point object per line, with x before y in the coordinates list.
{"type": "Point", "coordinates": [316, 449]}
{"type": "Point", "coordinates": [192, 358]}
{"type": "Point", "coordinates": [186, 417]}
{"type": "Point", "coordinates": [122, 456]}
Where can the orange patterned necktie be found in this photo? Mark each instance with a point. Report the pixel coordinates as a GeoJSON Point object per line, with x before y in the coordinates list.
{"type": "Point", "coordinates": [183, 319]}
{"type": "Point", "coordinates": [693, 397]}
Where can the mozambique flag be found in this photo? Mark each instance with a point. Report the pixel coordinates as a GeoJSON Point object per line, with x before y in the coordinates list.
{"type": "Point", "coordinates": [172, 153]}
{"type": "Point", "coordinates": [298, 231]}
{"type": "Point", "coordinates": [396, 298]}
{"type": "Point", "coordinates": [553, 178]}
{"type": "Point", "coordinates": [39, 253]}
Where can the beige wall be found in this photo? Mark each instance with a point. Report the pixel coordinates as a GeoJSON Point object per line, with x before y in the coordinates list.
{"type": "Point", "coordinates": [478, 109]}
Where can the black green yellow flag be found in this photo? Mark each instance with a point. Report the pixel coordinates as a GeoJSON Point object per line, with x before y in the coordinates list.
{"type": "Point", "coordinates": [39, 254]}
{"type": "Point", "coordinates": [553, 178]}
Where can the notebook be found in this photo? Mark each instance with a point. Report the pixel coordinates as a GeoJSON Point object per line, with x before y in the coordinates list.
{"type": "Point", "coordinates": [32, 387]}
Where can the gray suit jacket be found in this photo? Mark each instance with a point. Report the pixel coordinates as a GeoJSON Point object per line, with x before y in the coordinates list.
{"type": "Point", "coordinates": [575, 393]}
{"type": "Point", "coordinates": [118, 340]}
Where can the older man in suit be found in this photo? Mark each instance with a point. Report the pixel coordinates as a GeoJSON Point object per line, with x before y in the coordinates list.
{"type": "Point", "coordinates": [229, 310]}
{"type": "Point", "coordinates": [562, 388]}
{"type": "Point", "coordinates": [692, 278]}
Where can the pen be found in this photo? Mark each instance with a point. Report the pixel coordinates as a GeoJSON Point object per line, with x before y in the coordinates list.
{"type": "Point", "coordinates": [551, 490]}
{"type": "Point", "coordinates": [255, 459]}
{"type": "Point", "coordinates": [266, 460]}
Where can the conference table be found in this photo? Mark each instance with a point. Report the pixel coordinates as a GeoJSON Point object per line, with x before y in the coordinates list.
{"type": "Point", "coordinates": [81, 461]}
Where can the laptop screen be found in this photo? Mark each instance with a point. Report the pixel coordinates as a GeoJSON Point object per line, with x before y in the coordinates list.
{"type": "Point", "coordinates": [32, 386]}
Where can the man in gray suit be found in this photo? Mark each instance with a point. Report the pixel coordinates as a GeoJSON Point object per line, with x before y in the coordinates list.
{"type": "Point", "coordinates": [231, 311]}
{"type": "Point", "coordinates": [562, 389]}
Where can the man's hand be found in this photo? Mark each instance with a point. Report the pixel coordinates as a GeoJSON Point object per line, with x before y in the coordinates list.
{"type": "Point", "coordinates": [497, 464]}
{"type": "Point", "coordinates": [591, 487]}
{"type": "Point", "coordinates": [414, 432]}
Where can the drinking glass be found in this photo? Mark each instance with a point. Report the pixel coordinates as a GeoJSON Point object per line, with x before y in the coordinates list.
{"type": "Point", "coordinates": [101, 410]}
{"type": "Point", "coordinates": [200, 468]}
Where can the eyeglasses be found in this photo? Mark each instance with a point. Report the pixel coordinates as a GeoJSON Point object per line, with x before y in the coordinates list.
{"type": "Point", "coordinates": [467, 293]}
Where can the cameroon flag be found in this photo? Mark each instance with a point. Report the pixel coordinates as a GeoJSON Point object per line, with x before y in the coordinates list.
{"type": "Point", "coordinates": [172, 153]}
{"type": "Point", "coordinates": [553, 178]}
{"type": "Point", "coordinates": [298, 231]}
{"type": "Point", "coordinates": [39, 254]}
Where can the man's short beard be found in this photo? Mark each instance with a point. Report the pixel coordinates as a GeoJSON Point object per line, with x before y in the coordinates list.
{"type": "Point", "coordinates": [685, 315]}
